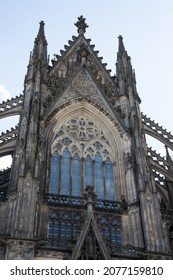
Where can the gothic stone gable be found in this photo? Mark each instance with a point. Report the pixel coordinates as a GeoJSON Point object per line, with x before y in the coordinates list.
{"type": "Point", "coordinates": [66, 66]}
{"type": "Point", "coordinates": [84, 88]}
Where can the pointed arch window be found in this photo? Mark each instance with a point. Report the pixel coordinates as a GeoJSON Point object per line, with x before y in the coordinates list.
{"type": "Point", "coordinates": [71, 174]}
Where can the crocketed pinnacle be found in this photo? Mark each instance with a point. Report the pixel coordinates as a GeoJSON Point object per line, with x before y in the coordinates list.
{"type": "Point", "coordinates": [121, 47]}
{"type": "Point", "coordinates": [81, 25]}
{"type": "Point", "coordinates": [41, 30]}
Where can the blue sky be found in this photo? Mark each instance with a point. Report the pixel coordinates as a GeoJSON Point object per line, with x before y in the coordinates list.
{"type": "Point", "coordinates": [146, 27]}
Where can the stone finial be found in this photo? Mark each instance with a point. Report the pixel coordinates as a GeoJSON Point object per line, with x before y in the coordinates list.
{"type": "Point", "coordinates": [89, 197]}
{"type": "Point", "coordinates": [41, 30]}
{"type": "Point", "coordinates": [121, 48]}
{"type": "Point", "coordinates": [81, 25]}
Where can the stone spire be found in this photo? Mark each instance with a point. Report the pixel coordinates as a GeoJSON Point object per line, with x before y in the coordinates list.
{"type": "Point", "coordinates": [38, 57]}
{"type": "Point", "coordinates": [124, 66]}
{"type": "Point", "coordinates": [81, 25]}
{"type": "Point", "coordinates": [41, 34]}
{"type": "Point", "coordinates": [40, 44]}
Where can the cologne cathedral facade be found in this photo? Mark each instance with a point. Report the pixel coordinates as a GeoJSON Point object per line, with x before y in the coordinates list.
{"type": "Point", "coordinates": [83, 184]}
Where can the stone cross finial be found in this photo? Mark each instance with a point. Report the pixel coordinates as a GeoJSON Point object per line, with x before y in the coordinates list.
{"type": "Point", "coordinates": [81, 25]}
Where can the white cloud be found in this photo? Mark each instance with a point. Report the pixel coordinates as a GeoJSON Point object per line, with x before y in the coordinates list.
{"type": "Point", "coordinates": [5, 162]}
{"type": "Point", "coordinates": [4, 94]}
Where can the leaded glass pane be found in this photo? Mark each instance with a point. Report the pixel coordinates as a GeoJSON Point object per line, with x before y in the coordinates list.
{"type": "Point", "coordinates": [76, 176]}
{"type": "Point", "coordinates": [55, 170]}
{"type": "Point", "coordinates": [106, 233]}
{"type": "Point", "coordinates": [53, 231]}
{"type": "Point", "coordinates": [66, 153]}
{"type": "Point", "coordinates": [110, 189]}
{"type": "Point", "coordinates": [116, 236]}
{"type": "Point", "coordinates": [65, 231]}
{"type": "Point", "coordinates": [88, 171]}
{"type": "Point", "coordinates": [99, 180]}
{"type": "Point", "coordinates": [65, 176]}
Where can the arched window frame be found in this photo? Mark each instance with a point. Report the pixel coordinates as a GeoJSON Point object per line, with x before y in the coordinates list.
{"type": "Point", "coordinates": [73, 174]}
{"type": "Point", "coordinates": [85, 145]}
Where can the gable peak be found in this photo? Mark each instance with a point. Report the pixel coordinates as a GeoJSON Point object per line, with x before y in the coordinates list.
{"type": "Point", "coordinates": [81, 25]}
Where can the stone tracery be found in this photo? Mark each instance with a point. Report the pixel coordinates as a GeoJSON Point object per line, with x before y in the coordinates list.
{"type": "Point", "coordinates": [82, 136]}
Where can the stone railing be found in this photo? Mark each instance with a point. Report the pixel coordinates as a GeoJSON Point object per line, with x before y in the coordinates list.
{"type": "Point", "coordinates": [106, 205]}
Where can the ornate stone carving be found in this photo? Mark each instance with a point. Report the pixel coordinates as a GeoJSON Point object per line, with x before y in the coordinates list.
{"type": "Point", "coordinates": [133, 209]}
{"type": "Point", "coordinates": [20, 249]}
{"type": "Point", "coordinates": [83, 86]}
{"type": "Point", "coordinates": [81, 25]}
{"type": "Point", "coordinates": [91, 249]}
{"type": "Point", "coordinates": [82, 128]}
{"type": "Point", "coordinates": [83, 136]}
{"type": "Point", "coordinates": [49, 254]}
{"type": "Point", "coordinates": [89, 194]}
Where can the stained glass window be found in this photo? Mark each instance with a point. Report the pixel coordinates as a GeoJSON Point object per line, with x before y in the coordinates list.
{"type": "Point", "coordinates": [88, 171]}
{"type": "Point", "coordinates": [65, 173]}
{"type": "Point", "coordinates": [76, 176]}
{"type": "Point", "coordinates": [110, 190]}
{"type": "Point", "coordinates": [64, 226]}
{"type": "Point", "coordinates": [55, 168]}
{"type": "Point", "coordinates": [111, 229]}
{"type": "Point", "coordinates": [70, 174]}
{"type": "Point", "coordinates": [99, 179]}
